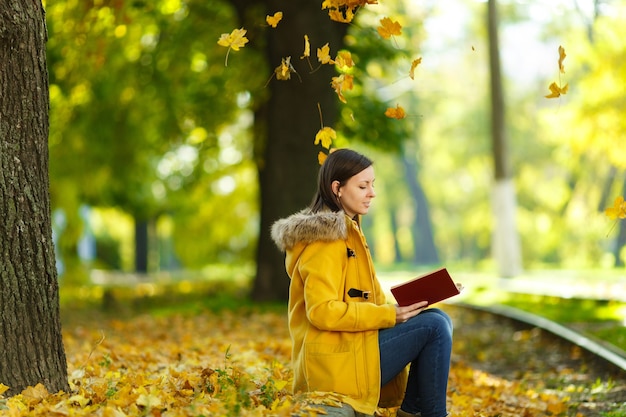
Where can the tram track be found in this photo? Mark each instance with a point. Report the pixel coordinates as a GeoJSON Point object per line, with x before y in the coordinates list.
{"type": "Point", "coordinates": [520, 346]}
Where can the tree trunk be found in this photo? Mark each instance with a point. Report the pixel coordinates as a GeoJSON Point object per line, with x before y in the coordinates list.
{"type": "Point", "coordinates": [505, 243]}
{"type": "Point", "coordinates": [286, 125]}
{"type": "Point", "coordinates": [141, 246]}
{"type": "Point", "coordinates": [30, 331]}
{"type": "Point", "coordinates": [425, 252]}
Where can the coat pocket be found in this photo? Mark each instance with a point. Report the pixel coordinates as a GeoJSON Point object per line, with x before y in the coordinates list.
{"type": "Point", "coordinates": [332, 368]}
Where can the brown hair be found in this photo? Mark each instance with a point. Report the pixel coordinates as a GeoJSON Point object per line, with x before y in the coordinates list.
{"type": "Point", "coordinates": [340, 165]}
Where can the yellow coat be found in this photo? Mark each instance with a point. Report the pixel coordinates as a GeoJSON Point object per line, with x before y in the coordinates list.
{"type": "Point", "coordinates": [335, 330]}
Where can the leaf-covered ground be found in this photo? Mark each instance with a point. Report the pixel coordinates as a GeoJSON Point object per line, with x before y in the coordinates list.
{"type": "Point", "coordinates": [236, 363]}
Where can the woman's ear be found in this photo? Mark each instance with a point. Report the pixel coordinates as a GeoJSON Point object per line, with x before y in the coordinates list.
{"type": "Point", "coordinates": [335, 187]}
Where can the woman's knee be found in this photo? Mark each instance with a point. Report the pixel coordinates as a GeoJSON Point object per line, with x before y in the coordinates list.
{"type": "Point", "coordinates": [440, 320]}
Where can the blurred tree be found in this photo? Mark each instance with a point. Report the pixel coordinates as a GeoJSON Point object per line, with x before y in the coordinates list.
{"type": "Point", "coordinates": [505, 244]}
{"type": "Point", "coordinates": [139, 95]}
{"type": "Point", "coordinates": [30, 329]}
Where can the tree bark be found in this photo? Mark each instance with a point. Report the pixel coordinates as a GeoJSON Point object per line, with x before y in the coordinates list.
{"type": "Point", "coordinates": [286, 125]}
{"type": "Point", "coordinates": [30, 331]}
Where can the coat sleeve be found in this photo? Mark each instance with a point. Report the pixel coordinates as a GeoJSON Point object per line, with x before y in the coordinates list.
{"type": "Point", "coordinates": [322, 266]}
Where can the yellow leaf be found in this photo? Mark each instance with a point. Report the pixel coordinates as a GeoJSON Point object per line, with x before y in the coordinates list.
{"type": "Point", "coordinates": [397, 113]}
{"type": "Point", "coordinates": [321, 157]}
{"type": "Point", "coordinates": [280, 384]}
{"type": "Point", "coordinates": [3, 388]}
{"type": "Point", "coordinates": [273, 20]}
{"type": "Point", "coordinates": [325, 136]}
{"type": "Point", "coordinates": [414, 65]}
{"type": "Point", "coordinates": [323, 55]}
{"type": "Point", "coordinates": [234, 40]}
{"type": "Point", "coordinates": [343, 82]}
{"type": "Point", "coordinates": [36, 394]}
{"type": "Point", "coordinates": [344, 10]}
{"type": "Point", "coordinates": [307, 47]}
{"type": "Point", "coordinates": [561, 58]}
{"type": "Point", "coordinates": [556, 91]}
{"type": "Point", "coordinates": [388, 28]}
{"type": "Point", "coordinates": [78, 399]}
{"type": "Point", "coordinates": [284, 70]}
{"type": "Point", "coordinates": [618, 211]}
{"type": "Point", "coordinates": [344, 60]}
{"type": "Point", "coordinates": [148, 400]}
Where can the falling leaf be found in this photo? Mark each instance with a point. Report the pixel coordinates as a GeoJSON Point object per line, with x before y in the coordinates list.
{"type": "Point", "coordinates": [307, 47]}
{"type": "Point", "coordinates": [341, 83]}
{"type": "Point", "coordinates": [325, 136]}
{"type": "Point", "coordinates": [561, 58]}
{"type": "Point", "coordinates": [618, 211]}
{"type": "Point", "coordinates": [344, 10]}
{"type": "Point", "coordinates": [556, 91]}
{"type": "Point", "coordinates": [273, 20]}
{"type": "Point", "coordinates": [395, 113]}
{"type": "Point", "coordinates": [323, 55]}
{"type": "Point", "coordinates": [389, 28]}
{"type": "Point", "coordinates": [234, 40]}
{"type": "Point", "coordinates": [284, 70]}
{"type": "Point", "coordinates": [344, 60]}
{"type": "Point", "coordinates": [414, 65]}
{"type": "Point", "coordinates": [321, 157]}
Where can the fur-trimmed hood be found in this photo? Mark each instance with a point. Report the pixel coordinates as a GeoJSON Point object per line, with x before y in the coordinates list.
{"type": "Point", "coordinates": [307, 227]}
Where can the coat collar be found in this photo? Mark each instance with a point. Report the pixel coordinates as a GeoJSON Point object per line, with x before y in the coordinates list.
{"type": "Point", "coordinates": [307, 227]}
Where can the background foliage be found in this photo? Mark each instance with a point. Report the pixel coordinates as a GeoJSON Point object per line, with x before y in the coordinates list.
{"type": "Point", "coordinates": [147, 124]}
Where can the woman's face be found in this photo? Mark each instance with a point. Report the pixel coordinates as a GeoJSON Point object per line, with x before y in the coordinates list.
{"type": "Point", "coordinates": [356, 194]}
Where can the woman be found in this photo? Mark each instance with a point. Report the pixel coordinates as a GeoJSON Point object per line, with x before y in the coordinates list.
{"type": "Point", "coordinates": [346, 338]}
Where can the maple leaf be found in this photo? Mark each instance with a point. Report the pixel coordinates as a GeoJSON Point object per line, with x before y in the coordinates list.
{"type": "Point", "coordinates": [561, 58]}
{"type": "Point", "coordinates": [389, 28]}
{"type": "Point", "coordinates": [344, 10]}
{"type": "Point", "coordinates": [414, 65]}
{"type": "Point", "coordinates": [273, 20]}
{"type": "Point", "coordinates": [395, 113]}
{"type": "Point", "coordinates": [344, 60]}
{"type": "Point", "coordinates": [325, 137]}
{"type": "Point", "coordinates": [234, 40]}
{"type": "Point", "coordinates": [341, 83]}
{"type": "Point", "coordinates": [36, 394]}
{"type": "Point", "coordinates": [556, 90]}
{"type": "Point", "coordinates": [618, 211]}
{"type": "Point", "coordinates": [284, 70]}
{"type": "Point", "coordinates": [323, 55]}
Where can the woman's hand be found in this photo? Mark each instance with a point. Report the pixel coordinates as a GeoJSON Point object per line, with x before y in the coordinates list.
{"type": "Point", "coordinates": [405, 313]}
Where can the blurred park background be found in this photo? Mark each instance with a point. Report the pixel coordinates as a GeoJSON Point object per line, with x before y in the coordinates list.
{"type": "Point", "coordinates": [156, 161]}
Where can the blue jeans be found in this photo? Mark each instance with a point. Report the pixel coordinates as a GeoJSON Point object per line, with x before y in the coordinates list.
{"type": "Point", "coordinates": [424, 341]}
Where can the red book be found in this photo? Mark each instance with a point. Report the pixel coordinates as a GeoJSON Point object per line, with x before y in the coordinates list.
{"type": "Point", "coordinates": [432, 287]}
